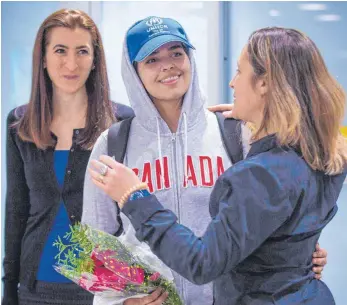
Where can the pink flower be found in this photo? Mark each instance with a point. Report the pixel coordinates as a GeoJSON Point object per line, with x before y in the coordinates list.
{"type": "Point", "coordinates": [85, 283]}
{"type": "Point", "coordinates": [97, 263]}
{"type": "Point", "coordinates": [154, 276]}
{"type": "Point", "coordinates": [135, 275]}
{"type": "Point", "coordinates": [103, 279]}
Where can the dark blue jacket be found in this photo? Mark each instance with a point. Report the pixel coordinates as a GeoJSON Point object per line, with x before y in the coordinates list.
{"type": "Point", "coordinates": [267, 212]}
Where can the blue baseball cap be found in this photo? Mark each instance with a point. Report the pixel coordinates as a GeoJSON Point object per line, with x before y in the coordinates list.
{"type": "Point", "coordinates": [147, 35]}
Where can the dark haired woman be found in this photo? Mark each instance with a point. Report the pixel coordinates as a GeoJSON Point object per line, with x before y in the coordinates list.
{"type": "Point", "coordinates": [49, 141]}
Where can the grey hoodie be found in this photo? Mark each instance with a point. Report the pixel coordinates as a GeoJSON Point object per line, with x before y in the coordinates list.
{"type": "Point", "coordinates": [180, 168]}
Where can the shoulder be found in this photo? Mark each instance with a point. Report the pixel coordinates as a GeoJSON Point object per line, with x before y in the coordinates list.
{"type": "Point", "coordinates": [16, 114]}
{"type": "Point", "coordinates": [104, 134]}
{"type": "Point", "coordinates": [13, 118]}
{"type": "Point", "coordinates": [122, 111]}
{"type": "Point", "coordinates": [277, 170]}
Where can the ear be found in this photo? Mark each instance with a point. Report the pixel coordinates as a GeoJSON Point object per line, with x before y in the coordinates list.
{"type": "Point", "coordinates": [262, 86]}
{"type": "Point", "coordinates": [44, 62]}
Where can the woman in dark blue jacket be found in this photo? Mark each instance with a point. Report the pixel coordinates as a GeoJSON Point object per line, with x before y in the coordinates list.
{"type": "Point", "coordinates": [267, 211]}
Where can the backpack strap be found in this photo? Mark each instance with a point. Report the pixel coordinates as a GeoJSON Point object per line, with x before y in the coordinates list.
{"type": "Point", "coordinates": [117, 142]}
{"type": "Point", "coordinates": [231, 135]}
{"type": "Point", "coordinates": [117, 139]}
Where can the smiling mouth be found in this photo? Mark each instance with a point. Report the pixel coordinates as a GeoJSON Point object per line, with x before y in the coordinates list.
{"type": "Point", "coordinates": [170, 80]}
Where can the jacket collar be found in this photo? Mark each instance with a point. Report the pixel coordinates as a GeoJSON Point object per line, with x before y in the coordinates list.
{"type": "Point", "coordinates": [262, 145]}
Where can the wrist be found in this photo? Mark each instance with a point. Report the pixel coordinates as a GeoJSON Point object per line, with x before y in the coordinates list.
{"type": "Point", "coordinates": [139, 194]}
{"type": "Point", "coordinates": [136, 188]}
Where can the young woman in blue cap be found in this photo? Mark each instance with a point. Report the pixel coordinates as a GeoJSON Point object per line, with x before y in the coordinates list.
{"type": "Point", "coordinates": [174, 144]}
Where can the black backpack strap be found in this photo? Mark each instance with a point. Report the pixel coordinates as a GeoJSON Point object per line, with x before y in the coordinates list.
{"type": "Point", "coordinates": [117, 142]}
{"type": "Point", "coordinates": [231, 135]}
{"type": "Point", "coordinates": [117, 139]}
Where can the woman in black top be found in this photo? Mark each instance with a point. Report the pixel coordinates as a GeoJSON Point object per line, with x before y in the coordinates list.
{"type": "Point", "coordinates": [68, 109]}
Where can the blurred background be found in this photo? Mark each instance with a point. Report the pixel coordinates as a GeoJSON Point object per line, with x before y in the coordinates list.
{"type": "Point", "coordinates": [218, 30]}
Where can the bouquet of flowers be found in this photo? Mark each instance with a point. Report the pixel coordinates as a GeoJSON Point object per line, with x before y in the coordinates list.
{"type": "Point", "coordinates": [112, 267]}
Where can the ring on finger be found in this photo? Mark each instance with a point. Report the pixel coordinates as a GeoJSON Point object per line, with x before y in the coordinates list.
{"type": "Point", "coordinates": [104, 170]}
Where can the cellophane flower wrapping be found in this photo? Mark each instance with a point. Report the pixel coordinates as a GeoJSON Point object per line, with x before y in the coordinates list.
{"type": "Point", "coordinates": [112, 267]}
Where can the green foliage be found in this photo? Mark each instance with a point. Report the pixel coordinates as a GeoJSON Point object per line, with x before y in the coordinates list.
{"type": "Point", "coordinates": [77, 250]}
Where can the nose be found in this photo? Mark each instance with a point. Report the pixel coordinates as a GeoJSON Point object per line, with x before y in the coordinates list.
{"type": "Point", "coordinates": [71, 62]}
{"type": "Point", "coordinates": [167, 64]}
{"type": "Point", "coordinates": [232, 83]}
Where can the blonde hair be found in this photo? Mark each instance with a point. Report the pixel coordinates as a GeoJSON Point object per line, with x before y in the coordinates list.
{"type": "Point", "coordinates": [304, 104]}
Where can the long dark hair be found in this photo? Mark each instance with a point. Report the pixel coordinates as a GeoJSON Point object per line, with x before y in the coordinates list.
{"type": "Point", "coordinates": [34, 126]}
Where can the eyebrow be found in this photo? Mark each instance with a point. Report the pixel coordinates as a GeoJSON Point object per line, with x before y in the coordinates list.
{"type": "Point", "coordinates": [174, 47]}
{"type": "Point", "coordinates": [177, 46]}
{"type": "Point", "coordinates": [65, 47]}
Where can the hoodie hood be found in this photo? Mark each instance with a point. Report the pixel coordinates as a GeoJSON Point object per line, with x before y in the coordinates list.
{"type": "Point", "coordinates": [147, 114]}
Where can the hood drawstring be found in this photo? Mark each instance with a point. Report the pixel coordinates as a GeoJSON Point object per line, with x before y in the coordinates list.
{"type": "Point", "coordinates": [185, 149]}
{"type": "Point", "coordinates": [160, 153]}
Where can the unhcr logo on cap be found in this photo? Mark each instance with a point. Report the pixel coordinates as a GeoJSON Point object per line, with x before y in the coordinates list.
{"type": "Point", "coordinates": [154, 21]}
{"type": "Point", "coordinates": [155, 25]}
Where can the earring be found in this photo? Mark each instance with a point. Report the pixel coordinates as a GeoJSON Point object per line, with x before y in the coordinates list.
{"type": "Point", "coordinates": [93, 67]}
